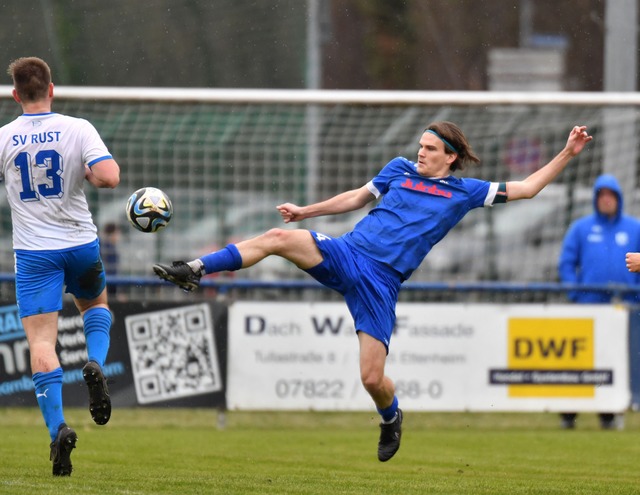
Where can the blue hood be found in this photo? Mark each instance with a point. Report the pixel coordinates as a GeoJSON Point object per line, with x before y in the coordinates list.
{"type": "Point", "coordinates": [606, 181]}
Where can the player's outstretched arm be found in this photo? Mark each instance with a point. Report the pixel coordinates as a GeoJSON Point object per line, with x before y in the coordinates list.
{"type": "Point", "coordinates": [533, 184]}
{"type": "Point", "coordinates": [342, 203]}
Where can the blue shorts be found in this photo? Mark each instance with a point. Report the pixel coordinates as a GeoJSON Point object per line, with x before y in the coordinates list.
{"type": "Point", "coordinates": [40, 276]}
{"type": "Point", "coordinates": [370, 288]}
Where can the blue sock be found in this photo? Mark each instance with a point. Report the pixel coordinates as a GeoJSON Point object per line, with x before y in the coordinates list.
{"type": "Point", "coordinates": [390, 412]}
{"type": "Point", "coordinates": [97, 325]}
{"type": "Point", "coordinates": [227, 259]}
{"type": "Point", "coordinates": [48, 388]}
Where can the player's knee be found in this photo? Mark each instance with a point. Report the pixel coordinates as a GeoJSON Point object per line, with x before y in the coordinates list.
{"type": "Point", "coordinates": [43, 357]}
{"type": "Point", "coordinates": [372, 379]}
{"type": "Point", "coordinates": [277, 238]}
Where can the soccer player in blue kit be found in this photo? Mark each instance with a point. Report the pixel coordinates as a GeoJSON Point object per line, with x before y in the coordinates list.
{"type": "Point", "coordinates": [45, 159]}
{"type": "Point", "coordinates": [418, 204]}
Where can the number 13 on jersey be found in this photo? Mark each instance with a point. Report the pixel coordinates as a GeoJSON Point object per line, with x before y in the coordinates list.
{"type": "Point", "coordinates": [50, 160]}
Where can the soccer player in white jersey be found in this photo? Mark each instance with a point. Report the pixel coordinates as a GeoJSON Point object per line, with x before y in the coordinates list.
{"type": "Point", "coordinates": [418, 204]}
{"type": "Point", "coordinates": [45, 158]}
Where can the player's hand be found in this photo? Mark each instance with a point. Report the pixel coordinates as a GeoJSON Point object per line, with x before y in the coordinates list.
{"type": "Point", "coordinates": [290, 212]}
{"type": "Point", "coordinates": [578, 138]}
{"type": "Point", "coordinates": [633, 262]}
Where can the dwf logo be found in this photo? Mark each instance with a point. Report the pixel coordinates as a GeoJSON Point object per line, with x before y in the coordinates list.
{"type": "Point", "coordinates": [550, 357]}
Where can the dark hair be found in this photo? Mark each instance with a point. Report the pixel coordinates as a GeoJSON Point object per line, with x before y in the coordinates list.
{"type": "Point", "coordinates": [31, 78]}
{"type": "Point", "coordinates": [452, 134]}
{"type": "Point", "coordinates": [110, 228]}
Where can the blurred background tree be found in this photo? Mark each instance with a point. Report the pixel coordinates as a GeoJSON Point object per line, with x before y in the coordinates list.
{"type": "Point", "coordinates": [364, 44]}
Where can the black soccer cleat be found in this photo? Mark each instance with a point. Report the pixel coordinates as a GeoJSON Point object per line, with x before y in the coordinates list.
{"type": "Point", "coordinates": [61, 449]}
{"type": "Point", "coordinates": [179, 273]}
{"type": "Point", "coordinates": [390, 434]}
{"type": "Point", "coordinates": [99, 400]}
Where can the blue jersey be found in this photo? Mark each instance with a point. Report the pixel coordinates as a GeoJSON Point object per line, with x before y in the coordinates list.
{"type": "Point", "coordinates": [414, 213]}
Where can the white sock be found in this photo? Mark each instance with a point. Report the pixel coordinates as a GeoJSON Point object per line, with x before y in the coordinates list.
{"type": "Point", "coordinates": [391, 420]}
{"type": "Point", "coordinates": [197, 266]}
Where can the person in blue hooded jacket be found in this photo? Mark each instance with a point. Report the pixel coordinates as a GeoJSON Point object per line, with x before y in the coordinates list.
{"type": "Point", "coordinates": [595, 246]}
{"type": "Point", "coordinates": [594, 251]}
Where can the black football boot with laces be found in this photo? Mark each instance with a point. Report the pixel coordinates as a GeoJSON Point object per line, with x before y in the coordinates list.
{"type": "Point", "coordinates": [390, 434]}
{"type": "Point", "coordinates": [61, 449]}
{"type": "Point", "coordinates": [99, 399]}
{"type": "Point", "coordinates": [180, 274]}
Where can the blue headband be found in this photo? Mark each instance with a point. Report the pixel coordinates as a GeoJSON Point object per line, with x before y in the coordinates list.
{"type": "Point", "coordinates": [446, 143]}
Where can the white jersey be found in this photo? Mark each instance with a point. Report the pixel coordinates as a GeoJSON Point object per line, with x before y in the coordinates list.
{"type": "Point", "coordinates": [43, 159]}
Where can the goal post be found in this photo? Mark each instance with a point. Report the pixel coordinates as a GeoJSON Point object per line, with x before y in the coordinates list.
{"type": "Point", "coordinates": [227, 157]}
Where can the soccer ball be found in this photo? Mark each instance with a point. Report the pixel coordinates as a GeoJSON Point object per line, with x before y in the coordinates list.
{"type": "Point", "coordinates": [149, 209]}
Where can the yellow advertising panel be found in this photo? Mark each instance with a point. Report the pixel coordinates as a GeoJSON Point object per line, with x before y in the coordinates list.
{"type": "Point", "coordinates": [557, 353]}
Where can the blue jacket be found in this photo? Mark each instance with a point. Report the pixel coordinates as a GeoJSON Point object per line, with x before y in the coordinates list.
{"type": "Point", "coordinates": [594, 248]}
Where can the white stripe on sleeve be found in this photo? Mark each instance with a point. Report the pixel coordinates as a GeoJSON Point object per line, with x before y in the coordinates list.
{"type": "Point", "coordinates": [374, 190]}
{"type": "Point", "coordinates": [491, 193]}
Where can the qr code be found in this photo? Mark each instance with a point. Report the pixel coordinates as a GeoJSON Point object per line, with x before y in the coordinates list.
{"type": "Point", "coordinates": [173, 353]}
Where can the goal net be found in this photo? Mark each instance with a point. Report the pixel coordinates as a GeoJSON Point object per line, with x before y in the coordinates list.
{"type": "Point", "coordinates": [228, 157]}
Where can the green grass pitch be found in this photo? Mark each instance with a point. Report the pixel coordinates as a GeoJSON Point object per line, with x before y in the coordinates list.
{"type": "Point", "coordinates": [180, 451]}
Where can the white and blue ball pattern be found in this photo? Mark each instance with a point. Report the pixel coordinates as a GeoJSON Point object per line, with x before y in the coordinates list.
{"type": "Point", "coordinates": [149, 209]}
